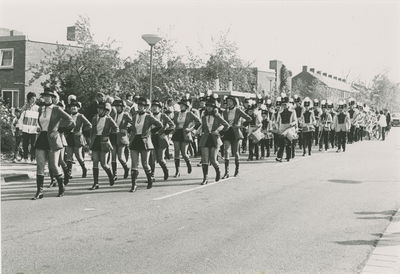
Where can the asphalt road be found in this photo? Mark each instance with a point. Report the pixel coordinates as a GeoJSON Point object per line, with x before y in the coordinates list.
{"type": "Point", "coordinates": [316, 214]}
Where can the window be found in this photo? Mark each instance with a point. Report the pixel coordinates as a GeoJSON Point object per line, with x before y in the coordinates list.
{"type": "Point", "coordinates": [10, 98]}
{"type": "Point", "coordinates": [6, 58]}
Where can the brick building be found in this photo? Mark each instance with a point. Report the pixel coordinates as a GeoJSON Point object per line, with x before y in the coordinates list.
{"type": "Point", "coordinates": [329, 87]}
{"type": "Point", "coordinates": [17, 52]}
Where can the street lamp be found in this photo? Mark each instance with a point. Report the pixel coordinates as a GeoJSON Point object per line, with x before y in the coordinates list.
{"type": "Point", "coordinates": [151, 39]}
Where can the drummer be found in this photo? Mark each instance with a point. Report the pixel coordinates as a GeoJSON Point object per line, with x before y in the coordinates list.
{"type": "Point", "coordinates": [307, 122]}
{"type": "Point", "coordinates": [285, 120]}
{"type": "Point", "coordinates": [253, 126]}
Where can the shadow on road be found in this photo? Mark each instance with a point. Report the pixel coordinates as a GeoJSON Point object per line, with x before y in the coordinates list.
{"type": "Point", "coordinates": [344, 181]}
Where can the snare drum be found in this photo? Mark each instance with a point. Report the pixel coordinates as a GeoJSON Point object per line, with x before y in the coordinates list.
{"type": "Point", "coordinates": [256, 136]}
{"type": "Point", "coordinates": [308, 128]}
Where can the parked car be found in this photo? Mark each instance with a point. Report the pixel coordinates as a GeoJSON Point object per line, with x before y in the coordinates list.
{"type": "Point", "coordinates": [395, 119]}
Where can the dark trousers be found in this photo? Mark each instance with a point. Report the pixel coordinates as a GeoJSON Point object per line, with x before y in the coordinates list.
{"type": "Point", "coordinates": [276, 142]}
{"type": "Point", "coordinates": [264, 145]}
{"type": "Point", "coordinates": [341, 136]}
{"type": "Point", "coordinates": [351, 134]}
{"type": "Point", "coordinates": [361, 133]}
{"type": "Point", "coordinates": [284, 143]}
{"type": "Point", "coordinates": [253, 150]}
{"type": "Point", "coordinates": [332, 138]}
{"type": "Point", "coordinates": [26, 139]}
{"type": "Point", "coordinates": [307, 141]}
{"type": "Point", "coordinates": [383, 133]}
{"type": "Point", "coordinates": [316, 133]}
{"type": "Point", "coordinates": [17, 142]}
{"type": "Point", "coordinates": [324, 139]}
{"type": "Point", "coordinates": [244, 141]}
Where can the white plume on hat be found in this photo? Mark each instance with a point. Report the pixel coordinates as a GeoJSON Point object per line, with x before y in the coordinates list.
{"type": "Point", "coordinates": [307, 99]}
{"type": "Point", "coordinates": [70, 98]}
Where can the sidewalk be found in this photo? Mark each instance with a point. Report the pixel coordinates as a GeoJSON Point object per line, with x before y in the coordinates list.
{"type": "Point", "coordinates": [11, 172]}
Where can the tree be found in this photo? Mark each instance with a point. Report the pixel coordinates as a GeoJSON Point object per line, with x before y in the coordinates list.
{"type": "Point", "coordinates": [284, 85]}
{"type": "Point", "coordinates": [83, 71]}
{"type": "Point", "coordinates": [384, 93]}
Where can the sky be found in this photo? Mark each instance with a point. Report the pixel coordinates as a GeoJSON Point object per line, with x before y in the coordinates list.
{"type": "Point", "coordinates": [355, 40]}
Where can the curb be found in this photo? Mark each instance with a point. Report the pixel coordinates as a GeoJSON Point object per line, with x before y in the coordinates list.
{"type": "Point", "coordinates": [17, 177]}
{"type": "Point", "coordinates": [385, 258]}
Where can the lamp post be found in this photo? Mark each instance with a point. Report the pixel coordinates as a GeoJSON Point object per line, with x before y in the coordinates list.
{"type": "Point", "coordinates": [151, 39]}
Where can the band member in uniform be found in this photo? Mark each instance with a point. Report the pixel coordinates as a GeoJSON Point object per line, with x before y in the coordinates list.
{"type": "Point", "coordinates": [266, 130]}
{"type": "Point", "coordinates": [299, 110]}
{"type": "Point", "coordinates": [274, 119]}
{"type": "Point", "coordinates": [75, 138]}
{"type": "Point", "coordinates": [160, 139]}
{"type": "Point", "coordinates": [120, 140]}
{"type": "Point", "coordinates": [360, 122]}
{"type": "Point", "coordinates": [185, 122]}
{"type": "Point", "coordinates": [48, 144]}
{"type": "Point", "coordinates": [341, 124]}
{"type": "Point", "coordinates": [212, 124]}
{"type": "Point", "coordinates": [317, 113]}
{"type": "Point", "coordinates": [245, 133]}
{"type": "Point", "coordinates": [307, 122]}
{"type": "Point", "coordinates": [233, 115]}
{"type": "Point", "coordinates": [325, 123]}
{"type": "Point", "coordinates": [140, 142]}
{"type": "Point", "coordinates": [332, 135]}
{"type": "Point", "coordinates": [352, 115]}
{"type": "Point", "coordinates": [102, 125]}
{"type": "Point", "coordinates": [286, 119]}
{"type": "Point", "coordinates": [253, 125]}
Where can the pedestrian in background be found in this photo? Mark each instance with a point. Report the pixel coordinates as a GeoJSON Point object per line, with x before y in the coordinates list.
{"type": "Point", "coordinates": [28, 123]}
{"type": "Point", "coordinates": [383, 124]}
{"type": "Point", "coordinates": [16, 132]}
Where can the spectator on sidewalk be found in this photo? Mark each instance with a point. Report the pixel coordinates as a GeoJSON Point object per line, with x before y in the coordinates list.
{"type": "Point", "coordinates": [383, 124]}
{"type": "Point", "coordinates": [28, 123]}
{"type": "Point", "coordinates": [16, 132]}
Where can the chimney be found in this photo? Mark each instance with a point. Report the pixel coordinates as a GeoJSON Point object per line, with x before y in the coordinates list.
{"type": "Point", "coordinates": [324, 74]}
{"type": "Point", "coordinates": [319, 72]}
{"type": "Point", "coordinates": [312, 70]}
{"type": "Point", "coordinates": [216, 84]}
{"type": "Point", "coordinates": [305, 68]}
{"type": "Point", "coordinates": [335, 77]}
{"type": "Point", "coordinates": [330, 75]}
{"type": "Point", "coordinates": [230, 85]}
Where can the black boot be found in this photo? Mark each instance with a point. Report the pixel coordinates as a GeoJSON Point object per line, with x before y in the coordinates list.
{"type": "Point", "coordinates": [177, 163]}
{"type": "Point", "coordinates": [152, 168]}
{"type": "Point", "coordinates": [150, 179]}
{"type": "Point", "coordinates": [61, 187]}
{"type": "Point", "coordinates": [134, 174]}
{"type": "Point", "coordinates": [226, 175]}
{"type": "Point", "coordinates": [114, 170]}
{"type": "Point", "coordinates": [126, 170]}
{"type": "Point", "coordinates": [95, 179]}
{"type": "Point", "coordinates": [205, 174]}
{"type": "Point", "coordinates": [53, 181]}
{"type": "Point", "coordinates": [236, 167]}
{"type": "Point", "coordinates": [189, 165]}
{"type": "Point", "coordinates": [39, 187]}
{"type": "Point", "coordinates": [66, 175]}
{"type": "Point", "coordinates": [84, 169]}
{"type": "Point", "coordinates": [165, 170]}
{"type": "Point", "coordinates": [217, 173]}
{"type": "Point", "coordinates": [69, 166]}
{"type": "Point", "coordinates": [110, 176]}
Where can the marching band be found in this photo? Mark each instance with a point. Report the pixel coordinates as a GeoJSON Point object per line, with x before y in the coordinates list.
{"type": "Point", "coordinates": [218, 128]}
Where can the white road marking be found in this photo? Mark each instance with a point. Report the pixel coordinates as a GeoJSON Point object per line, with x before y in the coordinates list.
{"type": "Point", "coordinates": [188, 190]}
